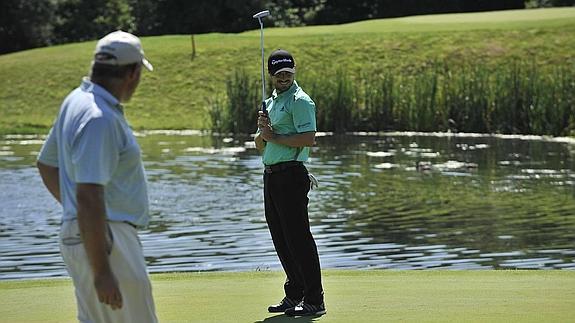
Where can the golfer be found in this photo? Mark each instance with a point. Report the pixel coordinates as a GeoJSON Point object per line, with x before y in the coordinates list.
{"type": "Point", "coordinates": [285, 134]}
{"type": "Point", "coordinates": [91, 163]}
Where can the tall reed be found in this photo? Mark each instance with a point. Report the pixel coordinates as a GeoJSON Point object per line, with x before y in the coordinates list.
{"type": "Point", "coordinates": [236, 112]}
{"type": "Point", "coordinates": [335, 100]}
{"type": "Point", "coordinates": [517, 98]}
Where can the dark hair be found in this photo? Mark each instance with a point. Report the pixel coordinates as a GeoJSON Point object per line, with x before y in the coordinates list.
{"type": "Point", "coordinates": [107, 71]}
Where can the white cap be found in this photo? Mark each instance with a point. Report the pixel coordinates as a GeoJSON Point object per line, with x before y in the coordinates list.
{"type": "Point", "coordinates": [120, 48]}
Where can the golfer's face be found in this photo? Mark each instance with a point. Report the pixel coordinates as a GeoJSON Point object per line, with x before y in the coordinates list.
{"type": "Point", "coordinates": [133, 83]}
{"type": "Point", "coordinates": [282, 81]}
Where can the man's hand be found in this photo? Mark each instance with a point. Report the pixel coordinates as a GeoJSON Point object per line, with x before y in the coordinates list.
{"type": "Point", "coordinates": [265, 127]}
{"type": "Point", "coordinates": [108, 290]}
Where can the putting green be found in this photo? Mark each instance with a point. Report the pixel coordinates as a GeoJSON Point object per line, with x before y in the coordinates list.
{"type": "Point", "coordinates": [351, 296]}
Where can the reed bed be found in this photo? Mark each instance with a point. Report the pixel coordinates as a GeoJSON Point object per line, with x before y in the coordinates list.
{"type": "Point", "coordinates": [516, 98]}
{"type": "Point", "coordinates": [236, 111]}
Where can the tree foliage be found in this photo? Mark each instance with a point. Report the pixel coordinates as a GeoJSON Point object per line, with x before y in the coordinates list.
{"type": "Point", "coordinates": [25, 24]}
{"type": "Point", "coordinates": [548, 3]}
{"type": "Point", "coordinates": [89, 19]}
{"type": "Point", "coordinates": [202, 16]}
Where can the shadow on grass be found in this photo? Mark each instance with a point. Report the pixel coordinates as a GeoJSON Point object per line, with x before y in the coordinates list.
{"type": "Point", "coordinates": [284, 318]}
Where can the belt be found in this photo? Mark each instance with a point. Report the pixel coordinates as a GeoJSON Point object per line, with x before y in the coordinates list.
{"type": "Point", "coordinates": [279, 167]}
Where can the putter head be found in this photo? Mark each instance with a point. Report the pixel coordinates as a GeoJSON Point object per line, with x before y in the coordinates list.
{"type": "Point", "coordinates": [262, 14]}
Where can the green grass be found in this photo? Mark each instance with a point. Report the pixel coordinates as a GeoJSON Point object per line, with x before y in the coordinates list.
{"type": "Point", "coordinates": [351, 296]}
{"type": "Point", "coordinates": [177, 94]}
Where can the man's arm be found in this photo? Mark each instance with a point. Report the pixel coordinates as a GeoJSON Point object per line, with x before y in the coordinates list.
{"type": "Point", "coordinates": [306, 139]}
{"type": "Point", "coordinates": [93, 230]}
{"type": "Point", "coordinates": [51, 179]}
{"type": "Point", "coordinates": [266, 134]}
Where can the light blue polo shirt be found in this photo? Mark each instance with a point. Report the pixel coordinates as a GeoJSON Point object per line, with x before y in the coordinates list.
{"type": "Point", "coordinates": [291, 112]}
{"type": "Point", "coordinates": [91, 142]}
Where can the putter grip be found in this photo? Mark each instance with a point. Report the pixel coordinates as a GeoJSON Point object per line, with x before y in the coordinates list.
{"type": "Point", "coordinates": [264, 108]}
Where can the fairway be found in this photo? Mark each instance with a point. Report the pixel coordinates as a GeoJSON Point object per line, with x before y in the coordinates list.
{"type": "Point", "coordinates": [179, 91]}
{"type": "Point", "coordinates": [351, 296]}
{"type": "Point", "coordinates": [508, 19]}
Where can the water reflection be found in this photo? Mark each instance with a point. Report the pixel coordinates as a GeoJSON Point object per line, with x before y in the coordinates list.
{"type": "Point", "coordinates": [401, 201]}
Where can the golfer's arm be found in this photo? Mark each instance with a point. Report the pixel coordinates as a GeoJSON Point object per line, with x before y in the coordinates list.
{"type": "Point", "coordinates": [51, 179]}
{"type": "Point", "coordinates": [305, 139]}
{"type": "Point", "coordinates": [93, 227]}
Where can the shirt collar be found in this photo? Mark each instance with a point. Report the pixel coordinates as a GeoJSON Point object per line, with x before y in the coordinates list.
{"type": "Point", "coordinates": [288, 92]}
{"type": "Point", "coordinates": [97, 90]}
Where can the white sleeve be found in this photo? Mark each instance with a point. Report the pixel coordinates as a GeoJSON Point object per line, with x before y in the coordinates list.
{"type": "Point", "coordinates": [49, 152]}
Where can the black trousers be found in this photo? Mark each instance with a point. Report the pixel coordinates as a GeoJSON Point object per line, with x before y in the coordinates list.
{"type": "Point", "coordinates": [285, 196]}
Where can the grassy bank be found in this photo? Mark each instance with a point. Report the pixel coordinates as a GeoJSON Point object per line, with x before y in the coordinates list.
{"type": "Point", "coordinates": [351, 296]}
{"type": "Point", "coordinates": [177, 93]}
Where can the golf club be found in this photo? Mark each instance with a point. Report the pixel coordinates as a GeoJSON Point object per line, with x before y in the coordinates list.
{"type": "Point", "coordinates": [259, 16]}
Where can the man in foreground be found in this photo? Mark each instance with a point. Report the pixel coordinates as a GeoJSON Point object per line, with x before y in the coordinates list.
{"type": "Point", "coordinates": [91, 163]}
{"type": "Point", "coordinates": [284, 136]}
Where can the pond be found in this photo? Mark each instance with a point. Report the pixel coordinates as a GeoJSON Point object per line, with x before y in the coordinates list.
{"type": "Point", "coordinates": [385, 201]}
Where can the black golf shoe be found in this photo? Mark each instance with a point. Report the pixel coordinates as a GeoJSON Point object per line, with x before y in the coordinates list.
{"type": "Point", "coordinates": [305, 309]}
{"type": "Point", "coordinates": [284, 305]}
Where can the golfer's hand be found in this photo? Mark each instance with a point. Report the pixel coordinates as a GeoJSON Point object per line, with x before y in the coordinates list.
{"type": "Point", "coordinates": [108, 290]}
{"type": "Point", "coordinates": [265, 127]}
{"type": "Point", "coordinates": [263, 120]}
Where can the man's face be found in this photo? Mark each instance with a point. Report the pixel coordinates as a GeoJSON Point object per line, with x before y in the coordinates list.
{"type": "Point", "coordinates": [132, 83]}
{"type": "Point", "coordinates": [282, 81]}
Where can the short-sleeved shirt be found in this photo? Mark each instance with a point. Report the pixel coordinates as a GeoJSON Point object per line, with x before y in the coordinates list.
{"type": "Point", "coordinates": [92, 143]}
{"type": "Point", "coordinates": [290, 112]}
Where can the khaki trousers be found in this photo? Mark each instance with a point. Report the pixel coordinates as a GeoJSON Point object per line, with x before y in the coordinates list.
{"type": "Point", "coordinates": [129, 267]}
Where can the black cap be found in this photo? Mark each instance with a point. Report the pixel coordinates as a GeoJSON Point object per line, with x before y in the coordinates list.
{"type": "Point", "coordinates": [280, 61]}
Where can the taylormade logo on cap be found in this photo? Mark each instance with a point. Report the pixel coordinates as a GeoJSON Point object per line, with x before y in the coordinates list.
{"type": "Point", "coordinates": [120, 48]}
{"type": "Point", "coordinates": [280, 61]}
{"type": "Point", "coordinates": [285, 60]}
